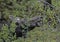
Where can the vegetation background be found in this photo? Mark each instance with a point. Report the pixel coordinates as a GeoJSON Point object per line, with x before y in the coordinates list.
{"type": "Point", "coordinates": [48, 32]}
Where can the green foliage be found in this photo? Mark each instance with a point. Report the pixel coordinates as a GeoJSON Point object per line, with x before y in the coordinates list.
{"type": "Point", "coordinates": [29, 9]}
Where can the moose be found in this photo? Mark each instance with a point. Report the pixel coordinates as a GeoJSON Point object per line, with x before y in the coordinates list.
{"type": "Point", "coordinates": [28, 25]}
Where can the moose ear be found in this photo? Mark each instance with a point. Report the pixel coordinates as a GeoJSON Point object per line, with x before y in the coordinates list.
{"type": "Point", "coordinates": [11, 17]}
